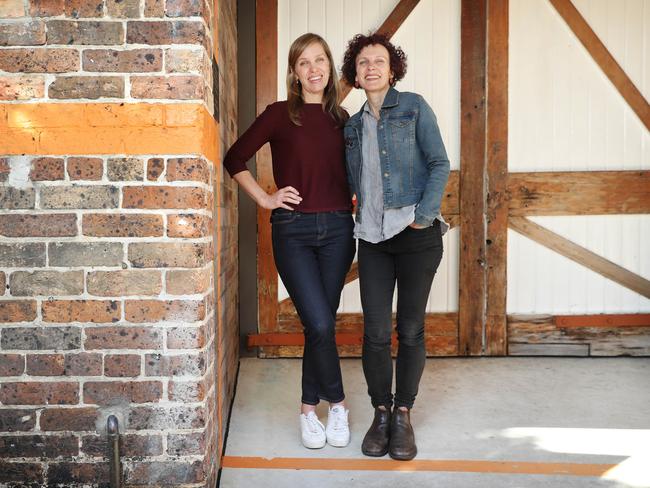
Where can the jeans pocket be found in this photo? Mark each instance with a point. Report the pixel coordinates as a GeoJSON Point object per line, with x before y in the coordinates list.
{"type": "Point", "coordinates": [284, 217]}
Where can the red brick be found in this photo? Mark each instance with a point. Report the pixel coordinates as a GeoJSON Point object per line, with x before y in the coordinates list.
{"type": "Point", "coordinates": [186, 391]}
{"type": "Point", "coordinates": [38, 446]}
{"type": "Point", "coordinates": [79, 196]}
{"type": "Point", "coordinates": [154, 8]}
{"type": "Point", "coordinates": [122, 225]}
{"type": "Point", "coordinates": [12, 9]}
{"type": "Point", "coordinates": [170, 311]}
{"type": "Point", "coordinates": [177, 365]}
{"type": "Point", "coordinates": [67, 473]}
{"type": "Point", "coordinates": [115, 392]}
{"type": "Point", "coordinates": [168, 472]}
{"type": "Point", "coordinates": [85, 168]}
{"type": "Point", "coordinates": [181, 87]}
{"type": "Point", "coordinates": [185, 8]}
{"type": "Point", "coordinates": [47, 283]}
{"type": "Point", "coordinates": [17, 310]}
{"type": "Point", "coordinates": [131, 445]}
{"type": "Point", "coordinates": [170, 32]}
{"type": "Point", "coordinates": [12, 420]}
{"type": "Point", "coordinates": [186, 338]}
{"type": "Point", "coordinates": [188, 281]}
{"type": "Point", "coordinates": [21, 472]}
{"type": "Point", "coordinates": [83, 364]}
{"type": "Point", "coordinates": [170, 255]}
{"type": "Point", "coordinates": [93, 87]}
{"type": "Point", "coordinates": [70, 32]}
{"type": "Point", "coordinates": [155, 168]}
{"type": "Point", "coordinates": [46, 8]}
{"type": "Point", "coordinates": [124, 283]}
{"type": "Point", "coordinates": [37, 393]}
{"type": "Point", "coordinates": [11, 365]}
{"type": "Point", "coordinates": [123, 8]}
{"type": "Point", "coordinates": [39, 60]}
{"type": "Point", "coordinates": [188, 169]}
{"type": "Point", "coordinates": [74, 419]}
{"type": "Point", "coordinates": [184, 60]}
{"type": "Point", "coordinates": [161, 418]}
{"type": "Point", "coordinates": [21, 87]}
{"type": "Point", "coordinates": [50, 225]}
{"type": "Point", "coordinates": [186, 444]}
{"type": "Point", "coordinates": [84, 8]}
{"type": "Point", "coordinates": [130, 61]}
{"type": "Point", "coordinates": [28, 33]}
{"type": "Point", "coordinates": [163, 197]}
{"type": "Point", "coordinates": [123, 338]}
{"type": "Point", "coordinates": [5, 169]}
{"type": "Point", "coordinates": [97, 311]}
{"type": "Point", "coordinates": [47, 169]}
{"type": "Point", "coordinates": [45, 364]}
{"type": "Point", "coordinates": [122, 365]}
{"type": "Point", "coordinates": [189, 225]}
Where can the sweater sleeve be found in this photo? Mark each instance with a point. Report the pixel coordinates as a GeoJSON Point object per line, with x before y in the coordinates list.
{"type": "Point", "coordinates": [259, 133]}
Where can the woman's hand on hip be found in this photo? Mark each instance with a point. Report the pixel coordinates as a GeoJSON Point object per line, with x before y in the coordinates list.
{"type": "Point", "coordinates": [281, 199]}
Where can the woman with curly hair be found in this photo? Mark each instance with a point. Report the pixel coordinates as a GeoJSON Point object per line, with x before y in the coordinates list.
{"type": "Point", "coordinates": [397, 167]}
{"type": "Point", "coordinates": [311, 220]}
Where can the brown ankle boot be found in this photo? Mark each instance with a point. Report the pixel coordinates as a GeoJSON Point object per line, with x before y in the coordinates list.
{"type": "Point", "coordinates": [402, 439]}
{"type": "Point", "coordinates": [375, 443]}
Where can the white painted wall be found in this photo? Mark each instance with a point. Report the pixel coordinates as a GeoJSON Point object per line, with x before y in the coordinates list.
{"type": "Point", "coordinates": [565, 115]}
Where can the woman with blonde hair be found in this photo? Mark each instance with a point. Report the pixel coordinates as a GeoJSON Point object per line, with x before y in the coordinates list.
{"type": "Point", "coordinates": [311, 219]}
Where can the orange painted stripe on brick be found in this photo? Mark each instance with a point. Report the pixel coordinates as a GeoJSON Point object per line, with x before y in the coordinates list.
{"type": "Point", "coordinates": [108, 128]}
{"type": "Point", "coordinates": [459, 466]}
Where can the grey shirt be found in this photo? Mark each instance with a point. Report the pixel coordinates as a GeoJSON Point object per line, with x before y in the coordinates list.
{"type": "Point", "coordinates": [378, 223]}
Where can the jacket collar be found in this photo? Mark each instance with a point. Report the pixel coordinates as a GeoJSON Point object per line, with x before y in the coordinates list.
{"type": "Point", "coordinates": [391, 99]}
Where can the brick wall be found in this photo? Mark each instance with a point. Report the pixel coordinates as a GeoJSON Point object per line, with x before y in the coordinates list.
{"type": "Point", "coordinates": [117, 239]}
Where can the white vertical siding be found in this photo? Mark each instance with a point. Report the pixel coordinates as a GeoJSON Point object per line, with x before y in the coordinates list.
{"type": "Point", "coordinates": [565, 115]}
{"type": "Point", "coordinates": [431, 39]}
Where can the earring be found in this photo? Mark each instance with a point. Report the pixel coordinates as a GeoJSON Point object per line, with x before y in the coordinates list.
{"type": "Point", "coordinates": [297, 82]}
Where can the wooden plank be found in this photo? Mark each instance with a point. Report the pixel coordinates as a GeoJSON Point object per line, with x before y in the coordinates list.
{"type": "Point", "coordinates": [497, 178]}
{"type": "Point", "coordinates": [393, 22]}
{"type": "Point", "coordinates": [450, 204]}
{"type": "Point", "coordinates": [516, 349]}
{"type": "Point", "coordinates": [603, 320]}
{"type": "Point", "coordinates": [604, 59]}
{"type": "Point", "coordinates": [579, 193]}
{"type": "Point", "coordinates": [581, 255]}
{"type": "Point", "coordinates": [472, 273]}
{"type": "Point", "coordinates": [266, 92]}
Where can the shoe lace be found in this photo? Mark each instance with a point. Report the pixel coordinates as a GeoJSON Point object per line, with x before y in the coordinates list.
{"type": "Point", "coordinates": [338, 418]}
{"type": "Point", "coordinates": [313, 424]}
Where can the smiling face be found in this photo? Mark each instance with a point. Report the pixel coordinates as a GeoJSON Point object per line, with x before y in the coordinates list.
{"type": "Point", "coordinates": [373, 69]}
{"type": "Point", "coordinates": [312, 69]}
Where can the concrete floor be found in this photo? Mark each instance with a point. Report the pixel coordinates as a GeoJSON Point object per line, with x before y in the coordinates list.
{"type": "Point", "coordinates": [479, 422]}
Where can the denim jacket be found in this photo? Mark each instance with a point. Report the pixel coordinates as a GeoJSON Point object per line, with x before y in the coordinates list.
{"type": "Point", "coordinates": [413, 159]}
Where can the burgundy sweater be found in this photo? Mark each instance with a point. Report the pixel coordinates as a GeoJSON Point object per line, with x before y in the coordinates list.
{"type": "Point", "coordinates": [311, 157]}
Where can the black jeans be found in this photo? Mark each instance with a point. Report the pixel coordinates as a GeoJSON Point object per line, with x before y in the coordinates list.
{"type": "Point", "coordinates": [313, 253]}
{"type": "Point", "coordinates": [411, 259]}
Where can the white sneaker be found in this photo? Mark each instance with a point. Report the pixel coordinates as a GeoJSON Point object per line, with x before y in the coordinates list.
{"type": "Point", "coordinates": [338, 430]}
{"type": "Point", "coordinates": [313, 432]}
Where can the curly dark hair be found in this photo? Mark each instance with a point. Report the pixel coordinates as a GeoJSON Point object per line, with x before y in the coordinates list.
{"type": "Point", "coordinates": [358, 42]}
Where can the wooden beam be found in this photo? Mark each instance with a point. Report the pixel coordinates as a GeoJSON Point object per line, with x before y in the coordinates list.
{"type": "Point", "coordinates": [393, 22]}
{"type": "Point", "coordinates": [266, 92]}
{"type": "Point", "coordinates": [579, 193]}
{"type": "Point", "coordinates": [497, 178]}
{"type": "Point", "coordinates": [603, 320]}
{"type": "Point", "coordinates": [604, 59]}
{"type": "Point", "coordinates": [472, 273]}
{"type": "Point", "coordinates": [581, 255]}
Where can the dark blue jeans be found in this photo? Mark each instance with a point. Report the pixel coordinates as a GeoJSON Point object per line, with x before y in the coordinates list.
{"type": "Point", "coordinates": [313, 253]}
{"type": "Point", "coordinates": [409, 259]}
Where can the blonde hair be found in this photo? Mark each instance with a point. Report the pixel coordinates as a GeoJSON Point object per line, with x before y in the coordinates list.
{"type": "Point", "coordinates": [332, 90]}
